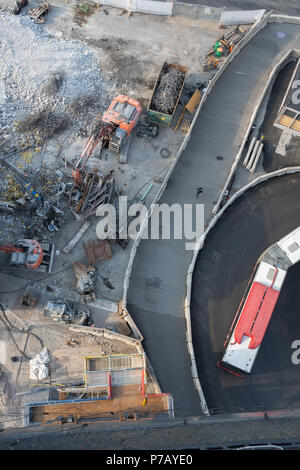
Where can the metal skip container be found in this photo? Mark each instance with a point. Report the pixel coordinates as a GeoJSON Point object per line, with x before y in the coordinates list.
{"type": "Point", "coordinates": [155, 113]}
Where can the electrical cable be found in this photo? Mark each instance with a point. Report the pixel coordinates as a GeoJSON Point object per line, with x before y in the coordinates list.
{"type": "Point", "coordinates": [152, 178]}
{"type": "Point", "coordinates": [10, 327]}
{"type": "Point", "coordinates": [36, 280]}
{"type": "Point", "coordinates": [14, 341]}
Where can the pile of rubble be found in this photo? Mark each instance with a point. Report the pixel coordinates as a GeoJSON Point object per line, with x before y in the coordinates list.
{"type": "Point", "coordinates": [47, 86]}
{"type": "Point", "coordinates": [34, 88]}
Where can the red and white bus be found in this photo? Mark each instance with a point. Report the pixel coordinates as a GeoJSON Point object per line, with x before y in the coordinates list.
{"type": "Point", "coordinates": [258, 303]}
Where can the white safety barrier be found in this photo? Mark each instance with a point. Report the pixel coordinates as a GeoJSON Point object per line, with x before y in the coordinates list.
{"type": "Point", "coordinates": [189, 10]}
{"type": "Point", "coordinates": [142, 6]}
{"type": "Point", "coordinates": [240, 17]}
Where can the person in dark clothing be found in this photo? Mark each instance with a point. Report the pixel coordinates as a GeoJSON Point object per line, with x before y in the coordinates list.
{"type": "Point", "coordinates": [199, 191]}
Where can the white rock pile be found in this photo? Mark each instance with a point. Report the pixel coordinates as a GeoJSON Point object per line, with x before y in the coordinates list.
{"type": "Point", "coordinates": [39, 72]}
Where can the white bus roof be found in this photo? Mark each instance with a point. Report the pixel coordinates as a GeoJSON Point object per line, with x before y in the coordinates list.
{"type": "Point", "coordinates": [291, 245]}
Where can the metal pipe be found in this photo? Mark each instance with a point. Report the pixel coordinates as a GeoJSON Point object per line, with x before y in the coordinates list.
{"type": "Point", "coordinates": [257, 158]}
{"type": "Point", "coordinates": [253, 155]}
{"type": "Point", "coordinates": [145, 194]}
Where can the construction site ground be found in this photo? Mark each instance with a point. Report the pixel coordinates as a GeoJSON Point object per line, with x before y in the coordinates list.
{"type": "Point", "coordinates": [66, 349]}
{"type": "Point", "coordinates": [52, 88]}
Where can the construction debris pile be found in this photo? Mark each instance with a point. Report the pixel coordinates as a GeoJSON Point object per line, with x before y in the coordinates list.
{"type": "Point", "coordinates": [85, 281]}
{"type": "Point", "coordinates": [33, 87]}
{"type": "Point", "coordinates": [96, 189]}
{"type": "Point", "coordinates": [49, 88]}
{"type": "Point", "coordinates": [222, 49]}
{"type": "Point", "coordinates": [167, 92]}
{"type": "Point", "coordinates": [67, 312]}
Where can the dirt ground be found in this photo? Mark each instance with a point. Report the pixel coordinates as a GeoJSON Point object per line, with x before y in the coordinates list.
{"type": "Point", "coordinates": [66, 350]}
{"type": "Point", "coordinates": [46, 132]}
{"type": "Point", "coordinates": [130, 53]}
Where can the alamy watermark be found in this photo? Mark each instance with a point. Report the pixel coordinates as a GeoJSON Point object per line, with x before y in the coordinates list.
{"type": "Point", "coordinates": [296, 94]}
{"type": "Point", "coordinates": [296, 353]}
{"type": "Point", "coordinates": [165, 222]}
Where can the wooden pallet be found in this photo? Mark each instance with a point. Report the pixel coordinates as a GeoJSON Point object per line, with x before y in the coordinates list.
{"type": "Point", "coordinates": [37, 13]}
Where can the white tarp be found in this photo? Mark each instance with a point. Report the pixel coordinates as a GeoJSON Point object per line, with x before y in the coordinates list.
{"type": "Point", "coordinates": [241, 17]}
{"type": "Point", "coordinates": [38, 368]}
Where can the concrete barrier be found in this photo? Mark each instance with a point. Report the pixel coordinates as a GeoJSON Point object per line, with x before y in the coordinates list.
{"type": "Point", "coordinates": [189, 10]}
{"type": "Point", "coordinates": [285, 19]}
{"type": "Point", "coordinates": [238, 17]}
{"type": "Point", "coordinates": [198, 247]}
{"type": "Point", "coordinates": [103, 332]}
{"type": "Point", "coordinates": [141, 6]}
{"type": "Point", "coordinates": [125, 315]}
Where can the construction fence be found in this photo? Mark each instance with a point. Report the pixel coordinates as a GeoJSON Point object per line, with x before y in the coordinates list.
{"type": "Point", "coordinates": [156, 7]}
{"type": "Point", "coordinates": [142, 6]}
{"type": "Point", "coordinates": [189, 10]}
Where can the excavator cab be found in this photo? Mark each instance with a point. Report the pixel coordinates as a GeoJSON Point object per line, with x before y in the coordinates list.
{"type": "Point", "coordinates": [112, 130]}
{"type": "Point", "coordinates": [125, 111]}
{"type": "Point", "coordinates": [30, 254]}
{"type": "Point", "coordinates": [118, 139]}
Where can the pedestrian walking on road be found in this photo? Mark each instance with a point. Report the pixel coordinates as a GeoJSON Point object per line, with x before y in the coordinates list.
{"type": "Point", "coordinates": [199, 191]}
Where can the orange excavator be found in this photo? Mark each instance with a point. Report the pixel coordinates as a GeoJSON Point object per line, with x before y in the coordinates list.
{"type": "Point", "coordinates": [112, 130]}
{"type": "Point", "coordinates": [30, 254]}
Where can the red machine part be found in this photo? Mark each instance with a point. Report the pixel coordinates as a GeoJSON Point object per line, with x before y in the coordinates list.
{"type": "Point", "coordinates": [36, 250]}
{"type": "Point", "coordinates": [10, 249]}
{"type": "Point", "coordinates": [100, 131]}
{"type": "Point", "coordinates": [32, 247]}
{"type": "Point", "coordinates": [117, 115]}
{"type": "Point", "coordinates": [256, 314]}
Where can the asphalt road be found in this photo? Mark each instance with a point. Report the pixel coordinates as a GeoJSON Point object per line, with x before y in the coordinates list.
{"type": "Point", "coordinates": [157, 285]}
{"type": "Point", "coordinates": [286, 7]}
{"type": "Point", "coordinates": [255, 221]}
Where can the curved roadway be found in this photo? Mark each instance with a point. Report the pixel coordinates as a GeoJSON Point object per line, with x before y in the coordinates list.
{"type": "Point", "coordinates": [285, 7]}
{"type": "Point", "coordinates": [255, 221]}
{"type": "Point", "coordinates": [157, 284]}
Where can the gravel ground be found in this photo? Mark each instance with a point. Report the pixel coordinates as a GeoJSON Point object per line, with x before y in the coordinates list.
{"type": "Point", "coordinates": [50, 89]}
{"type": "Point", "coordinates": [49, 74]}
